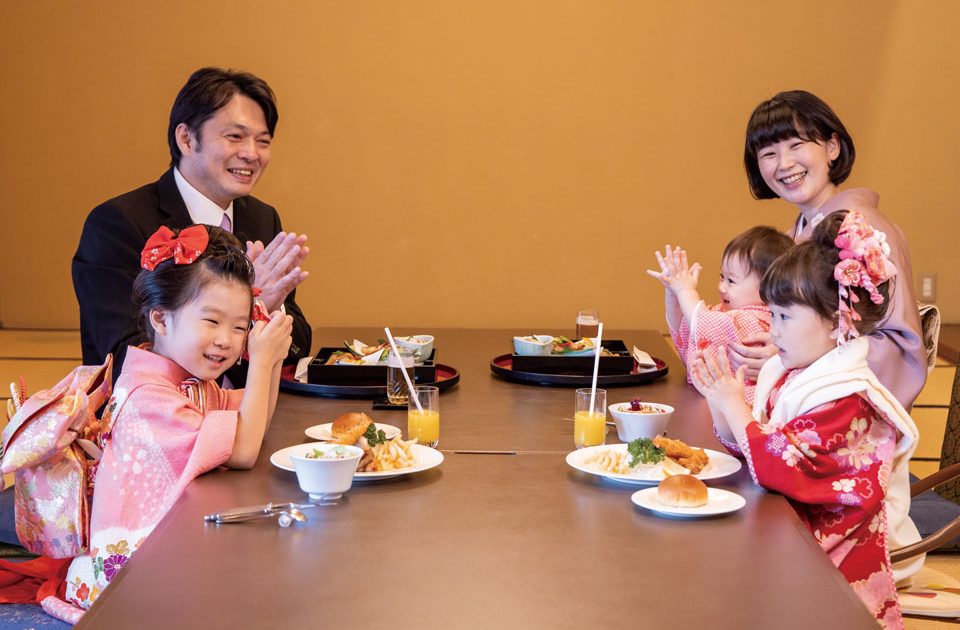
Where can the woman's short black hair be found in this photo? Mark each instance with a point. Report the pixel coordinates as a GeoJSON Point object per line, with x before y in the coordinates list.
{"type": "Point", "coordinates": [794, 114]}
{"type": "Point", "coordinates": [758, 247]}
{"type": "Point", "coordinates": [804, 276]}
{"type": "Point", "coordinates": [169, 286]}
{"type": "Point", "coordinates": [209, 89]}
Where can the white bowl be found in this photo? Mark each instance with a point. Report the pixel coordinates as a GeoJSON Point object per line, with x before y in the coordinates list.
{"type": "Point", "coordinates": [634, 424]}
{"type": "Point", "coordinates": [319, 477]}
{"type": "Point", "coordinates": [542, 347]}
{"type": "Point", "coordinates": [422, 345]}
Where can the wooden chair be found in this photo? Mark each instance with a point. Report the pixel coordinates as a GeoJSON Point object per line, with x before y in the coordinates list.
{"type": "Point", "coordinates": [930, 327]}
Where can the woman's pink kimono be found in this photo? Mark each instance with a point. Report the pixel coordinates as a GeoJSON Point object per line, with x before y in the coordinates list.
{"type": "Point", "coordinates": [164, 429]}
{"type": "Point", "coordinates": [897, 354]}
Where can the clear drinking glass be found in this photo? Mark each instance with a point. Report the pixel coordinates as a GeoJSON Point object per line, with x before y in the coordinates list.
{"type": "Point", "coordinates": [588, 323]}
{"type": "Point", "coordinates": [397, 392]}
{"type": "Point", "coordinates": [590, 429]}
{"type": "Point", "coordinates": [424, 425]}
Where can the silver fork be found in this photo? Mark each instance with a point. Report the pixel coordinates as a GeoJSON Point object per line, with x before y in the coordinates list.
{"type": "Point", "coordinates": [240, 514]}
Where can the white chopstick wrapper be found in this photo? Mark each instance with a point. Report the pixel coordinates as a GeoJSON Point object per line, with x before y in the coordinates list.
{"type": "Point", "coordinates": [644, 360]}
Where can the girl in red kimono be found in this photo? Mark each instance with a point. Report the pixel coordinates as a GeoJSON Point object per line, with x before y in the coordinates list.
{"type": "Point", "coordinates": [823, 431]}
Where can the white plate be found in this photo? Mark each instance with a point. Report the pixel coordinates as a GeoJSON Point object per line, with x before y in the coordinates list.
{"type": "Point", "coordinates": [426, 458]}
{"type": "Point", "coordinates": [718, 502]}
{"type": "Point", "coordinates": [322, 431]}
{"type": "Point", "coordinates": [720, 465]}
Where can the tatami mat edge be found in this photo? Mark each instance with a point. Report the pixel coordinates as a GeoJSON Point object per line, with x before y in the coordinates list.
{"type": "Point", "coordinates": [19, 343]}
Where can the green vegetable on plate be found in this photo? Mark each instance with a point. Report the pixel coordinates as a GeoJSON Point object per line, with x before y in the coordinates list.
{"type": "Point", "coordinates": [645, 451]}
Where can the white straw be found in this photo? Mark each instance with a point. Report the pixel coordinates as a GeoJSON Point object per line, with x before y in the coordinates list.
{"type": "Point", "coordinates": [596, 368]}
{"type": "Point", "coordinates": [406, 377]}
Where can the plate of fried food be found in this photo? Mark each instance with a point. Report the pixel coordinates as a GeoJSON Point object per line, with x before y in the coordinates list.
{"type": "Point", "coordinates": [383, 457]}
{"type": "Point", "coordinates": [644, 461]}
{"type": "Point", "coordinates": [688, 497]}
{"type": "Point", "coordinates": [324, 432]}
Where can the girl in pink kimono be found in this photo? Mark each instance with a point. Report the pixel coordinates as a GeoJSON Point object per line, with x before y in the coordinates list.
{"type": "Point", "coordinates": [798, 149]}
{"type": "Point", "coordinates": [696, 327]}
{"type": "Point", "coordinates": [168, 421]}
{"type": "Point", "coordinates": [824, 431]}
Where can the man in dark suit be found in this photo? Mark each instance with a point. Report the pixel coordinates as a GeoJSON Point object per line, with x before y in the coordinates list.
{"type": "Point", "coordinates": [221, 126]}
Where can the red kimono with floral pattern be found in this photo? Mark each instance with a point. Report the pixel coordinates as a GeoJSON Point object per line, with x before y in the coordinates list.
{"type": "Point", "coordinates": [833, 463]}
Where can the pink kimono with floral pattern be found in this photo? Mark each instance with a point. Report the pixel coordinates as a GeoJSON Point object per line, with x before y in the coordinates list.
{"type": "Point", "coordinates": [713, 326]}
{"type": "Point", "coordinates": [165, 429]}
{"type": "Point", "coordinates": [897, 354]}
{"type": "Point", "coordinates": [837, 444]}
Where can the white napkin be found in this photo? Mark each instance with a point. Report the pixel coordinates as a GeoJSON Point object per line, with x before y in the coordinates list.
{"type": "Point", "coordinates": [643, 359]}
{"type": "Point", "coordinates": [301, 372]}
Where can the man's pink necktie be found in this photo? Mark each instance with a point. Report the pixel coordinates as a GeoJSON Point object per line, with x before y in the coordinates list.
{"type": "Point", "coordinates": [226, 224]}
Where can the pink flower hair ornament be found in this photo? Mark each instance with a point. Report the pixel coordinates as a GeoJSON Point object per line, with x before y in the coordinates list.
{"type": "Point", "coordinates": [865, 263]}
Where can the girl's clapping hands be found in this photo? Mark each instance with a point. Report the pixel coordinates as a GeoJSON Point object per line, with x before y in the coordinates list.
{"type": "Point", "coordinates": [270, 341]}
{"type": "Point", "coordinates": [714, 379]}
{"type": "Point", "coordinates": [724, 392]}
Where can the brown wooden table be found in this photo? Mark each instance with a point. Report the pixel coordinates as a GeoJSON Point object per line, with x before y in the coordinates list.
{"type": "Point", "coordinates": [485, 540]}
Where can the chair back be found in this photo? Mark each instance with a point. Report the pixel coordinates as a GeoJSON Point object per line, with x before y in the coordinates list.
{"type": "Point", "coordinates": [930, 328]}
{"type": "Point", "coordinates": [950, 452]}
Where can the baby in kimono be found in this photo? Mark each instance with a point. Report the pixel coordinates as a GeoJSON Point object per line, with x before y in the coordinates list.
{"type": "Point", "coordinates": [823, 431]}
{"type": "Point", "coordinates": [696, 327]}
{"type": "Point", "coordinates": [168, 420]}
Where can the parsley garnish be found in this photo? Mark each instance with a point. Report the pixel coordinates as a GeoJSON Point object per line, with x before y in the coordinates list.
{"type": "Point", "coordinates": [374, 436]}
{"type": "Point", "coordinates": [644, 450]}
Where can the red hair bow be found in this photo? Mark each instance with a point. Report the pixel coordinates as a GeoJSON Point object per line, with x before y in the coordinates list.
{"type": "Point", "coordinates": [183, 248]}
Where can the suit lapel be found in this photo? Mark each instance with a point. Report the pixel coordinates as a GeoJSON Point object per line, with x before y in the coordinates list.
{"type": "Point", "coordinates": [171, 203]}
{"type": "Point", "coordinates": [245, 225]}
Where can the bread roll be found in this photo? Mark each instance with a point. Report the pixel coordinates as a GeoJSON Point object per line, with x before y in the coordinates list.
{"type": "Point", "coordinates": [350, 427]}
{"type": "Point", "coordinates": [682, 491]}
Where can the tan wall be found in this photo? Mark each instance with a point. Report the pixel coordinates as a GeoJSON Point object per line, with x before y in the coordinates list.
{"type": "Point", "coordinates": [494, 163]}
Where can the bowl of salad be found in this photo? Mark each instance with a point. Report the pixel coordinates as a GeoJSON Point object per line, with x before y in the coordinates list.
{"type": "Point", "coordinates": [639, 419]}
{"type": "Point", "coordinates": [533, 345]}
{"type": "Point", "coordinates": [420, 345]}
{"type": "Point", "coordinates": [324, 468]}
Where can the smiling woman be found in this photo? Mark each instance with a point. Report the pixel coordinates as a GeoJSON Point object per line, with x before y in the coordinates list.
{"type": "Point", "coordinates": [797, 148]}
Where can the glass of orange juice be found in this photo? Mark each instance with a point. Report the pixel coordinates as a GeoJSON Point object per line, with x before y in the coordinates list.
{"type": "Point", "coordinates": [590, 425]}
{"type": "Point", "coordinates": [424, 425]}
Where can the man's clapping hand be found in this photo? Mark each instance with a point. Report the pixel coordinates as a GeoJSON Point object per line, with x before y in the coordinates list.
{"type": "Point", "coordinates": [278, 266]}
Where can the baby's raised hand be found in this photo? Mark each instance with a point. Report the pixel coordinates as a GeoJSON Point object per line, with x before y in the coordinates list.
{"type": "Point", "coordinates": [270, 341]}
{"type": "Point", "coordinates": [714, 380]}
{"type": "Point", "coordinates": [676, 274]}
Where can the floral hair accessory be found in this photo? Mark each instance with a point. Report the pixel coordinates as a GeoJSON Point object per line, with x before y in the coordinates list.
{"type": "Point", "coordinates": [865, 263]}
{"type": "Point", "coordinates": [184, 248]}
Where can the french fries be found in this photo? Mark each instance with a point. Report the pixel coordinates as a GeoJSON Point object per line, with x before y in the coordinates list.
{"type": "Point", "coordinates": [618, 462]}
{"type": "Point", "coordinates": [392, 455]}
{"type": "Point", "coordinates": [609, 460]}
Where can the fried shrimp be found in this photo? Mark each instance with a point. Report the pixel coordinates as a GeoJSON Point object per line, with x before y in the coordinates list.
{"type": "Point", "coordinates": [693, 459]}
